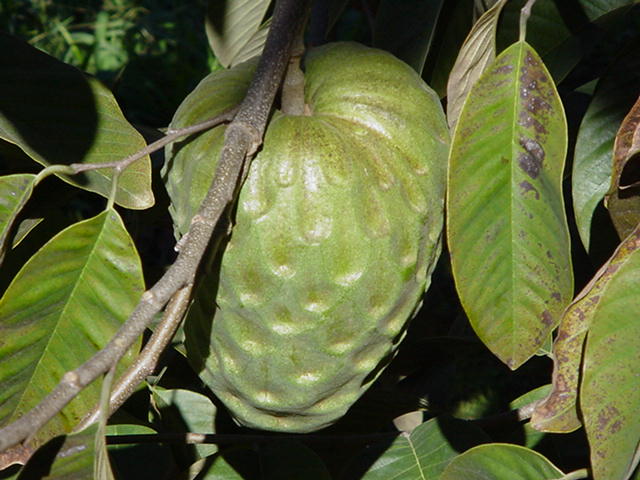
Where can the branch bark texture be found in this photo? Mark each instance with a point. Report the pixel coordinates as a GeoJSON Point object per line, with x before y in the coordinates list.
{"type": "Point", "coordinates": [242, 139]}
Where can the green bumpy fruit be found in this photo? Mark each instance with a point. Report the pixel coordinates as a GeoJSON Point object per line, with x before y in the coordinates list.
{"type": "Point", "coordinates": [336, 232]}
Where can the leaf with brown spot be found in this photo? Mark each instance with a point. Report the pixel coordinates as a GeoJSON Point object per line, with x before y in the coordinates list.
{"type": "Point", "coordinates": [477, 52]}
{"type": "Point", "coordinates": [507, 230]}
{"type": "Point", "coordinates": [557, 413]}
{"type": "Point", "coordinates": [609, 395]}
{"type": "Point", "coordinates": [623, 197]}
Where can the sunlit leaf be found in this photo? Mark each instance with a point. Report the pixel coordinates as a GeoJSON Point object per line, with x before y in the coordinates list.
{"type": "Point", "coordinates": [498, 461]}
{"type": "Point", "coordinates": [15, 190]}
{"type": "Point", "coordinates": [64, 305]}
{"type": "Point", "coordinates": [187, 411]}
{"type": "Point", "coordinates": [232, 26]}
{"type": "Point", "coordinates": [406, 29]}
{"type": "Point", "coordinates": [592, 164]}
{"type": "Point", "coordinates": [57, 115]}
{"type": "Point", "coordinates": [507, 230]}
{"type": "Point", "coordinates": [609, 394]}
{"type": "Point", "coordinates": [425, 452]}
{"type": "Point", "coordinates": [477, 52]}
{"type": "Point", "coordinates": [623, 197]}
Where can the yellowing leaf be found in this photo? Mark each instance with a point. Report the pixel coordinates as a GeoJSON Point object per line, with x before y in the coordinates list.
{"type": "Point", "coordinates": [507, 230]}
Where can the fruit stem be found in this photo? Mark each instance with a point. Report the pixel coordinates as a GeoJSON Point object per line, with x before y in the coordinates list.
{"type": "Point", "coordinates": [292, 99]}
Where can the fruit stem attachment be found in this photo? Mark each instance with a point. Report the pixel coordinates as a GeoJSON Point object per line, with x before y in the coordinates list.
{"type": "Point", "coordinates": [292, 98]}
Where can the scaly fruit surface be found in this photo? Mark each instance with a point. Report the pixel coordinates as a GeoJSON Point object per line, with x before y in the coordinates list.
{"type": "Point", "coordinates": [336, 232]}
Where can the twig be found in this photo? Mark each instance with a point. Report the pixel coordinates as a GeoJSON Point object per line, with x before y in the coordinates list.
{"type": "Point", "coordinates": [208, 438]}
{"type": "Point", "coordinates": [576, 474]}
{"type": "Point", "coordinates": [148, 358]}
{"type": "Point", "coordinates": [242, 139]}
{"type": "Point", "coordinates": [120, 165]}
{"type": "Point", "coordinates": [525, 13]}
{"type": "Point", "coordinates": [171, 136]}
{"type": "Point", "coordinates": [521, 414]}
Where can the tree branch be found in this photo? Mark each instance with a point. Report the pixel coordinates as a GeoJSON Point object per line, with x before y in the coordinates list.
{"type": "Point", "coordinates": [148, 358]}
{"type": "Point", "coordinates": [217, 438]}
{"type": "Point", "coordinates": [120, 165]}
{"type": "Point", "coordinates": [242, 139]}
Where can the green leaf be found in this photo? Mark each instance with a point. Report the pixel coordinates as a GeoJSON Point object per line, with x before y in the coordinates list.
{"type": "Point", "coordinates": [498, 461]}
{"type": "Point", "coordinates": [274, 460]}
{"type": "Point", "coordinates": [67, 457]}
{"type": "Point", "coordinates": [406, 28]}
{"type": "Point", "coordinates": [592, 164]}
{"type": "Point", "coordinates": [477, 52]}
{"type": "Point", "coordinates": [426, 451]}
{"type": "Point", "coordinates": [57, 115]}
{"type": "Point", "coordinates": [64, 305]}
{"type": "Point", "coordinates": [609, 394]}
{"type": "Point", "coordinates": [233, 27]}
{"type": "Point", "coordinates": [623, 197]}
{"type": "Point", "coordinates": [15, 190]}
{"type": "Point", "coordinates": [507, 230]}
{"type": "Point", "coordinates": [187, 411]}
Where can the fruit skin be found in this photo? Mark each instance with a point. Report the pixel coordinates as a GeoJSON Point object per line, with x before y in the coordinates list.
{"type": "Point", "coordinates": [336, 232]}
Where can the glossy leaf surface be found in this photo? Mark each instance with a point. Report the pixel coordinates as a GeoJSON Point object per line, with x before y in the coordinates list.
{"type": "Point", "coordinates": [57, 115]}
{"type": "Point", "coordinates": [501, 462]}
{"type": "Point", "coordinates": [609, 394]}
{"type": "Point", "coordinates": [507, 230]}
{"type": "Point", "coordinates": [63, 306]}
{"type": "Point", "coordinates": [592, 165]}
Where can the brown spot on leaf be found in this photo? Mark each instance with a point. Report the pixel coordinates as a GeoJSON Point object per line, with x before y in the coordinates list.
{"type": "Point", "coordinates": [532, 158]}
{"type": "Point", "coordinates": [528, 121]}
{"type": "Point", "coordinates": [535, 104]}
{"type": "Point", "coordinates": [606, 415]}
{"type": "Point", "coordinates": [530, 59]}
{"type": "Point", "coordinates": [503, 69]}
{"type": "Point", "coordinates": [547, 318]}
{"type": "Point", "coordinates": [556, 295]}
{"type": "Point", "coordinates": [527, 187]}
